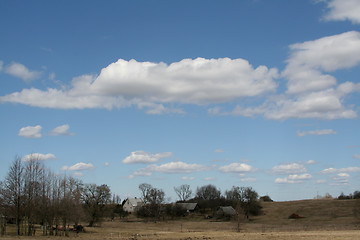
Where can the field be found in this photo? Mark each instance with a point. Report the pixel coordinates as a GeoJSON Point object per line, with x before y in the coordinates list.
{"type": "Point", "coordinates": [322, 219]}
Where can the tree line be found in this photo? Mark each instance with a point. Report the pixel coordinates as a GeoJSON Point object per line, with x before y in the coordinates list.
{"type": "Point", "coordinates": [33, 195]}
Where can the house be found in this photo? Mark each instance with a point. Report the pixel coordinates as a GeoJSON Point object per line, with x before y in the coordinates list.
{"type": "Point", "coordinates": [132, 204]}
{"type": "Point", "coordinates": [190, 207]}
{"type": "Point", "coordinates": [227, 211]}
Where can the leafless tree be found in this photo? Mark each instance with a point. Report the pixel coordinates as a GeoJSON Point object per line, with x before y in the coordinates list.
{"type": "Point", "coordinates": [13, 190]}
{"type": "Point", "coordinates": [94, 199]}
{"type": "Point", "coordinates": [184, 192]}
{"type": "Point", "coordinates": [208, 192]}
{"type": "Point", "coordinates": [145, 191]}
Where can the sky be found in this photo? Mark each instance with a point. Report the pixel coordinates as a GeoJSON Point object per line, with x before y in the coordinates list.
{"type": "Point", "coordinates": [259, 93]}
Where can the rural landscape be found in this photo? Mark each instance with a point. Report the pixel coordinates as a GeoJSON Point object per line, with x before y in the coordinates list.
{"type": "Point", "coordinates": [35, 203]}
{"type": "Point", "coordinates": [180, 119]}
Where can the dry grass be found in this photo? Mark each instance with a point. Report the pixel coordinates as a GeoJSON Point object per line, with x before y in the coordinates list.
{"type": "Point", "coordinates": [323, 219]}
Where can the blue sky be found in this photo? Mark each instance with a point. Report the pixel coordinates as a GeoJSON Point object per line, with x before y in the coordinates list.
{"type": "Point", "coordinates": [232, 93]}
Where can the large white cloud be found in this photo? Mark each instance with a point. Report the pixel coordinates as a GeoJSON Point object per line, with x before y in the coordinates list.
{"type": "Point", "coordinates": [145, 157]}
{"type": "Point", "coordinates": [31, 132]}
{"type": "Point", "coordinates": [149, 85]}
{"type": "Point", "coordinates": [20, 71]}
{"type": "Point", "coordinates": [310, 59]}
{"type": "Point", "coordinates": [341, 10]}
{"type": "Point", "coordinates": [294, 178]}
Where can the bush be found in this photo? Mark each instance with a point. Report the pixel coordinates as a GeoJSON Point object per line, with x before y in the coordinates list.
{"type": "Point", "coordinates": [266, 199]}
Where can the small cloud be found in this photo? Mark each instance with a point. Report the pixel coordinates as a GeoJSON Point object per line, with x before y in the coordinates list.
{"type": "Point", "coordinates": [61, 130]}
{"type": "Point", "coordinates": [52, 76]}
{"type": "Point", "coordinates": [236, 168]}
{"type": "Point", "coordinates": [310, 162]}
{"type": "Point", "coordinates": [291, 179]}
{"type": "Point", "coordinates": [341, 170]}
{"type": "Point", "coordinates": [210, 178]}
{"type": "Point", "coordinates": [291, 168]}
{"type": "Point", "coordinates": [30, 132]}
{"type": "Point", "coordinates": [316, 132]}
{"type": "Point", "coordinates": [38, 156]}
{"type": "Point", "coordinates": [1, 65]}
{"type": "Point", "coordinates": [107, 164]}
{"type": "Point", "coordinates": [145, 157]}
{"type": "Point", "coordinates": [186, 178]}
{"type": "Point", "coordinates": [46, 49]}
{"type": "Point", "coordinates": [219, 150]}
{"type": "Point", "coordinates": [78, 167]}
{"type": "Point", "coordinates": [20, 71]}
{"type": "Point", "coordinates": [356, 156]}
{"type": "Point", "coordinates": [321, 181]}
{"type": "Point", "coordinates": [248, 179]}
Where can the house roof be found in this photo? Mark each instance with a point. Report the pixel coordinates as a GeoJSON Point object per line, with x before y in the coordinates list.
{"type": "Point", "coordinates": [134, 201]}
{"type": "Point", "coordinates": [188, 206]}
{"type": "Point", "coordinates": [228, 210]}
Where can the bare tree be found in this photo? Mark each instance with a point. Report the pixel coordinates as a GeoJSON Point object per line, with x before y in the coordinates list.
{"type": "Point", "coordinates": [208, 192]}
{"type": "Point", "coordinates": [95, 198]}
{"type": "Point", "coordinates": [246, 197]}
{"type": "Point", "coordinates": [13, 190]}
{"type": "Point", "coordinates": [184, 192]}
{"type": "Point", "coordinates": [145, 191]}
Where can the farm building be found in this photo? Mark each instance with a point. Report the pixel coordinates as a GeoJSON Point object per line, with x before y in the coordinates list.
{"type": "Point", "coordinates": [190, 207]}
{"type": "Point", "coordinates": [227, 211]}
{"type": "Point", "coordinates": [132, 204]}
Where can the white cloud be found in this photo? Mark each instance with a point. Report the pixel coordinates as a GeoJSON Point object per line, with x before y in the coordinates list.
{"type": "Point", "coordinates": [294, 178]}
{"type": "Point", "coordinates": [341, 170]}
{"type": "Point", "coordinates": [145, 157]}
{"type": "Point", "coordinates": [341, 10]}
{"type": "Point", "coordinates": [356, 156]}
{"type": "Point", "coordinates": [61, 130]}
{"type": "Point", "coordinates": [106, 164]}
{"type": "Point", "coordinates": [31, 132]}
{"type": "Point", "coordinates": [150, 85]}
{"type": "Point", "coordinates": [316, 132]}
{"type": "Point", "coordinates": [38, 156]}
{"type": "Point", "coordinates": [310, 162]}
{"type": "Point", "coordinates": [308, 60]}
{"type": "Point", "coordinates": [236, 168]}
{"type": "Point", "coordinates": [291, 168]}
{"type": "Point", "coordinates": [1, 65]}
{"type": "Point", "coordinates": [248, 179]}
{"type": "Point", "coordinates": [171, 167]}
{"type": "Point", "coordinates": [20, 71]}
{"type": "Point", "coordinates": [186, 178]}
{"type": "Point", "coordinates": [210, 178]}
{"type": "Point", "coordinates": [78, 167]}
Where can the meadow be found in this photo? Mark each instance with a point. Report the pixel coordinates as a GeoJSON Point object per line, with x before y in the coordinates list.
{"type": "Point", "coordinates": [320, 219]}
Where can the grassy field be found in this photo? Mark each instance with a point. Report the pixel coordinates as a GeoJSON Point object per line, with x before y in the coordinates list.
{"type": "Point", "coordinates": [322, 219]}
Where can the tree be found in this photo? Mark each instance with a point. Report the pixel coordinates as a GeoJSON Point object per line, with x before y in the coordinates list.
{"type": "Point", "coordinates": [246, 198]}
{"type": "Point", "coordinates": [145, 191]}
{"type": "Point", "coordinates": [184, 192]}
{"type": "Point", "coordinates": [13, 192]}
{"type": "Point", "coordinates": [208, 192]}
{"type": "Point", "coordinates": [95, 198]}
{"type": "Point", "coordinates": [153, 198]}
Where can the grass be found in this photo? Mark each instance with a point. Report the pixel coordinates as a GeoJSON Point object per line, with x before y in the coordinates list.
{"type": "Point", "coordinates": [323, 219]}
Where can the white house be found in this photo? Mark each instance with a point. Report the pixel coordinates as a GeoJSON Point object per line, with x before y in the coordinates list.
{"type": "Point", "coordinates": [132, 204]}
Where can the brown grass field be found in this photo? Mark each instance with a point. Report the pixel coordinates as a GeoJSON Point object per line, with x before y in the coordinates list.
{"type": "Point", "coordinates": [322, 219]}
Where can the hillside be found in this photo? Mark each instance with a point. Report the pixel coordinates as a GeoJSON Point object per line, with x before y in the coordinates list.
{"type": "Point", "coordinates": [316, 215]}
